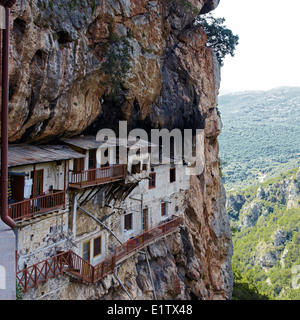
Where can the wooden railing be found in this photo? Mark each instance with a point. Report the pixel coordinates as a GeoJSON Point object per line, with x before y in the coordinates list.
{"type": "Point", "coordinates": [141, 240]}
{"type": "Point", "coordinates": [70, 261]}
{"type": "Point", "coordinates": [40, 204]}
{"type": "Point", "coordinates": [80, 179]}
{"type": "Point", "coordinates": [44, 270]}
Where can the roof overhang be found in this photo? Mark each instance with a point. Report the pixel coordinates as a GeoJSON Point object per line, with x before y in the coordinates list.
{"type": "Point", "coordinates": [19, 155]}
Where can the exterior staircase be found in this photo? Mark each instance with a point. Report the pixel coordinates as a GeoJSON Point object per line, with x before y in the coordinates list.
{"type": "Point", "coordinates": [81, 270]}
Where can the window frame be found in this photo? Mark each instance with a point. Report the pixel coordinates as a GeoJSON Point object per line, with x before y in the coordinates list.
{"type": "Point", "coordinates": [131, 221]}
{"type": "Point", "coordinates": [100, 246]}
{"type": "Point", "coordinates": [163, 209]}
{"type": "Point", "coordinates": [152, 181]}
{"type": "Point", "coordinates": [174, 170]}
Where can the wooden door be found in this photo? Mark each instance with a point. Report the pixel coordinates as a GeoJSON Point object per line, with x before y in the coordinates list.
{"type": "Point", "coordinates": [79, 164]}
{"type": "Point", "coordinates": [86, 251]}
{"type": "Point", "coordinates": [86, 255]}
{"type": "Point", "coordinates": [38, 181]}
{"type": "Point", "coordinates": [17, 188]}
{"type": "Point", "coordinates": [92, 165]}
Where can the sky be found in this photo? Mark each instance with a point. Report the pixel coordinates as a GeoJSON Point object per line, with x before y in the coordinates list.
{"type": "Point", "coordinates": [268, 54]}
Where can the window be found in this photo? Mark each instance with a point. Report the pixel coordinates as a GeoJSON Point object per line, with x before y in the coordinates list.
{"type": "Point", "coordinates": [172, 175]}
{"type": "Point", "coordinates": [128, 221]}
{"type": "Point", "coordinates": [145, 167]}
{"type": "Point", "coordinates": [163, 209]}
{"type": "Point", "coordinates": [152, 180]}
{"type": "Point", "coordinates": [97, 246]}
{"type": "Point", "coordinates": [92, 159]}
{"type": "Point", "coordinates": [136, 168]}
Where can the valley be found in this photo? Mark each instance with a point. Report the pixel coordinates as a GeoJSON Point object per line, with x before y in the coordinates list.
{"type": "Point", "coordinates": [259, 149]}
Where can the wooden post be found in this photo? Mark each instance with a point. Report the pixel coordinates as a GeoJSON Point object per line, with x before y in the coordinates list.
{"type": "Point", "coordinates": [34, 181]}
{"type": "Point", "coordinates": [25, 284]}
{"type": "Point", "coordinates": [93, 275]}
{"type": "Point", "coordinates": [35, 277]}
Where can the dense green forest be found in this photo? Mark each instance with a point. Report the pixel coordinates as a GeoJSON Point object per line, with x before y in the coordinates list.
{"type": "Point", "coordinates": [260, 136]}
{"type": "Point", "coordinates": [260, 149]}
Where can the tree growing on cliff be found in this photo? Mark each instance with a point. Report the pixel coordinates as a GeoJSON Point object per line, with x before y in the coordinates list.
{"type": "Point", "coordinates": [219, 37]}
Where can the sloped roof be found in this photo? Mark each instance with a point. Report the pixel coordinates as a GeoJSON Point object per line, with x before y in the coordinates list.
{"type": "Point", "coordinates": [19, 155]}
{"type": "Point", "coordinates": [84, 142]}
{"type": "Point", "coordinates": [90, 142]}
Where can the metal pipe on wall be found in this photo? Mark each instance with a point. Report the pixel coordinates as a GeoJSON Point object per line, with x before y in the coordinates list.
{"type": "Point", "coordinates": [4, 122]}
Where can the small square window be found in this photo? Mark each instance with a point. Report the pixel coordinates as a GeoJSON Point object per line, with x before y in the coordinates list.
{"type": "Point", "coordinates": [97, 246]}
{"type": "Point", "coordinates": [128, 221]}
{"type": "Point", "coordinates": [152, 180]}
{"type": "Point", "coordinates": [172, 175]}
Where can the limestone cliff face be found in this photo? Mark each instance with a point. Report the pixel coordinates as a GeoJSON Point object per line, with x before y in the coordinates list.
{"type": "Point", "coordinates": [77, 67]}
{"type": "Point", "coordinates": [61, 77]}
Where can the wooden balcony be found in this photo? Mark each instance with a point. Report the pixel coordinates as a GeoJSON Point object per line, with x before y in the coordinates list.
{"type": "Point", "coordinates": [92, 177]}
{"type": "Point", "coordinates": [31, 207]}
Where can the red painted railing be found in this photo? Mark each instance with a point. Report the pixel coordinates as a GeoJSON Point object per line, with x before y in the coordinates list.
{"type": "Point", "coordinates": [40, 204]}
{"type": "Point", "coordinates": [80, 179]}
{"type": "Point", "coordinates": [139, 241]}
{"type": "Point", "coordinates": [44, 270]}
{"type": "Point", "coordinates": [70, 261]}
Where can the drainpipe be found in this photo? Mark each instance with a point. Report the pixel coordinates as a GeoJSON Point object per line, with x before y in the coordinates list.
{"type": "Point", "coordinates": [4, 117]}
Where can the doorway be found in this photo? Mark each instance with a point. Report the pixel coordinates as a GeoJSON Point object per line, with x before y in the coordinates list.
{"type": "Point", "coordinates": [145, 220]}
{"type": "Point", "coordinates": [38, 181]}
{"type": "Point", "coordinates": [86, 255]}
{"type": "Point", "coordinates": [17, 188]}
{"type": "Point", "coordinates": [92, 165]}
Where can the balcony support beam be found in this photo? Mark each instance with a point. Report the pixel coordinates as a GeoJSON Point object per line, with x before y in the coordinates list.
{"type": "Point", "coordinates": [98, 221]}
{"type": "Point", "coordinates": [120, 282]}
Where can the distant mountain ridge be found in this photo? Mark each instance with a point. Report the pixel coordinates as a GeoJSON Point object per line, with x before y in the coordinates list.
{"type": "Point", "coordinates": [260, 135]}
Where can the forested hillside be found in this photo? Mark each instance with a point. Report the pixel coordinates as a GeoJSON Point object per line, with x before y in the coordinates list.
{"type": "Point", "coordinates": [260, 156]}
{"type": "Point", "coordinates": [266, 226]}
{"type": "Point", "coordinates": [260, 136]}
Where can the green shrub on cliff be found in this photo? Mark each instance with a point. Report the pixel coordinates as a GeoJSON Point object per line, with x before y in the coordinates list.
{"type": "Point", "coordinates": [219, 37]}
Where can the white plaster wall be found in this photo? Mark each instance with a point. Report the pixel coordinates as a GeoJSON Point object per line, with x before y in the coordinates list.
{"type": "Point", "coordinates": [53, 174]}
{"type": "Point", "coordinates": [171, 193]}
{"type": "Point", "coordinates": [41, 237]}
{"type": "Point", "coordinates": [78, 249]}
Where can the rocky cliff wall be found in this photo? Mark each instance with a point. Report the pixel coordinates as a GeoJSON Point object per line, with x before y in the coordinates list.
{"type": "Point", "coordinates": [77, 66]}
